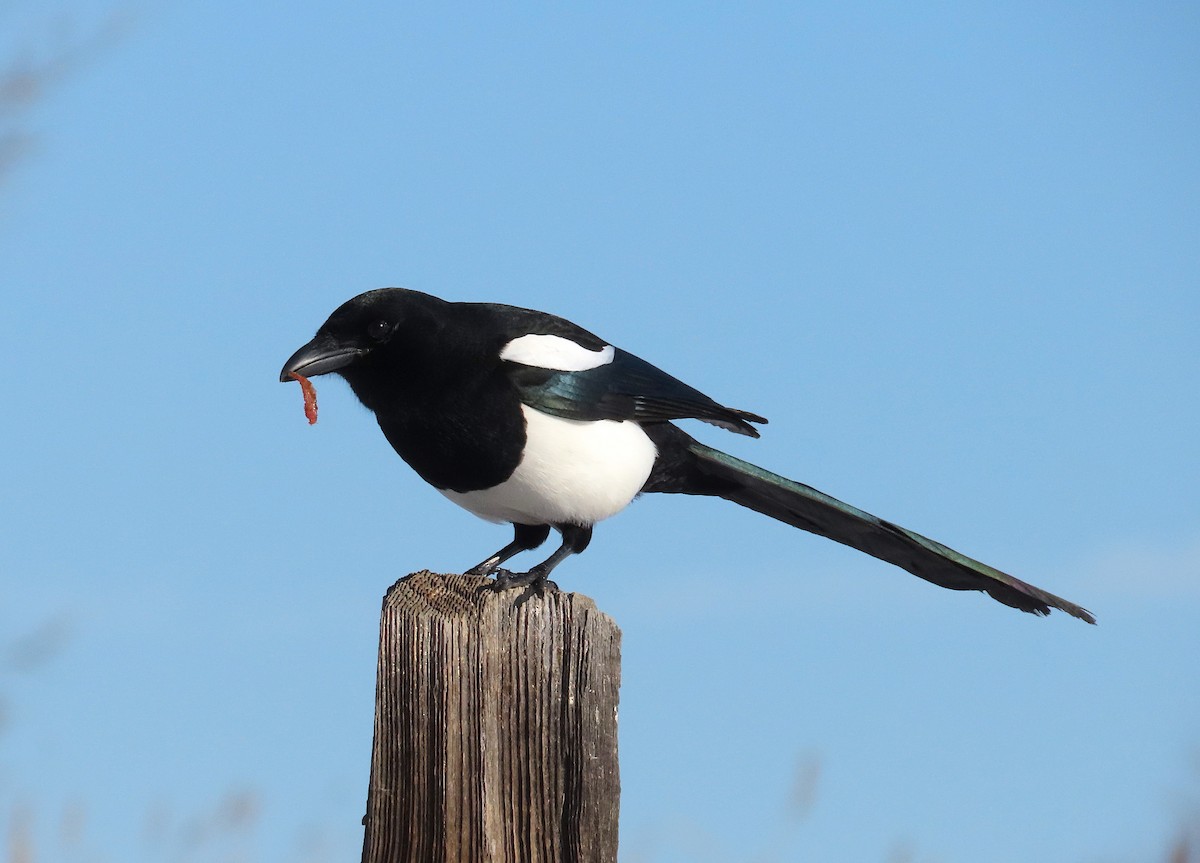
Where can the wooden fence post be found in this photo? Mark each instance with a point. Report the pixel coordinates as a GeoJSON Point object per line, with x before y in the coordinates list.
{"type": "Point", "coordinates": [495, 727]}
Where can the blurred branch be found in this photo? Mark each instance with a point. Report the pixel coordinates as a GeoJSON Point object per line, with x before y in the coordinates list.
{"type": "Point", "coordinates": [39, 646]}
{"type": "Point", "coordinates": [29, 74]}
{"type": "Point", "coordinates": [20, 842]}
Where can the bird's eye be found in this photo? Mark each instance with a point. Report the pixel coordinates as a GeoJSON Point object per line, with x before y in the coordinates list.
{"type": "Point", "coordinates": [379, 330]}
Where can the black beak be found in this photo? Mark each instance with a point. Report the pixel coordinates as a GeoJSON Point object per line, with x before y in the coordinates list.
{"type": "Point", "coordinates": [319, 357]}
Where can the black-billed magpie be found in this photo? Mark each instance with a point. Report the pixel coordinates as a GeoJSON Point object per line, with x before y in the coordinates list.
{"type": "Point", "coordinates": [523, 417]}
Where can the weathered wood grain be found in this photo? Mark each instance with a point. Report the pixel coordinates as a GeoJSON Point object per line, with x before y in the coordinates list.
{"type": "Point", "coordinates": [495, 727]}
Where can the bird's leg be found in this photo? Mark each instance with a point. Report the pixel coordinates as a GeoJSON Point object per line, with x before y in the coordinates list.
{"type": "Point", "coordinates": [575, 539]}
{"type": "Point", "coordinates": [525, 537]}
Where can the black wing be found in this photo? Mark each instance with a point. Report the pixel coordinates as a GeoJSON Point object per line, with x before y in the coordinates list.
{"type": "Point", "coordinates": [628, 388]}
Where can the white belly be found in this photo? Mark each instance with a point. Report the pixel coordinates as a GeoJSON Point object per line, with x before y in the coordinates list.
{"type": "Point", "coordinates": [572, 473]}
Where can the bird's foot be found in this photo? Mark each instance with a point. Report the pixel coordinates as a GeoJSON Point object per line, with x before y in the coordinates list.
{"type": "Point", "coordinates": [536, 580]}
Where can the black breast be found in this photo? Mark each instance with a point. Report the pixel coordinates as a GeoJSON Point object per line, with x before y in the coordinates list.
{"type": "Point", "coordinates": [442, 396]}
{"type": "Point", "coordinates": [463, 440]}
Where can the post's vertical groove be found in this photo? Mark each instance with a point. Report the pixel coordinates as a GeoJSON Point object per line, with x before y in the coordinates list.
{"type": "Point", "coordinates": [495, 727]}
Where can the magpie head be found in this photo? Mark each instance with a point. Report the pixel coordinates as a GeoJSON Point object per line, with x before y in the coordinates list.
{"type": "Point", "coordinates": [366, 336]}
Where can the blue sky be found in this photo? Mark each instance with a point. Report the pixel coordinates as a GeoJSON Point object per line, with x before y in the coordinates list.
{"type": "Point", "coordinates": [950, 250]}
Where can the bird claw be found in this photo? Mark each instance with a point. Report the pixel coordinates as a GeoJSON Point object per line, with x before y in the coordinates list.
{"type": "Point", "coordinates": [536, 581]}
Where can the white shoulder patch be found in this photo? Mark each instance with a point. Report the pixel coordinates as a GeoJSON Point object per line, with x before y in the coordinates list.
{"type": "Point", "coordinates": [555, 352]}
